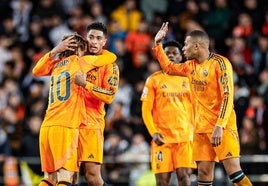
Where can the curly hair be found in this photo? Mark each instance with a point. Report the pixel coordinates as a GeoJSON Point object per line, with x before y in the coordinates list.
{"type": "Point", "coordinates": [79, 40]}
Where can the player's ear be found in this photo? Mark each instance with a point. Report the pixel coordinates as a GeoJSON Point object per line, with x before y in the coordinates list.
{"type": "Point", "coordinates": [104, 42]}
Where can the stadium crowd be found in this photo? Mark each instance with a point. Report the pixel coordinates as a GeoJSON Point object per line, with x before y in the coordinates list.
{"type": "Point", "coordinates": [28, 29]}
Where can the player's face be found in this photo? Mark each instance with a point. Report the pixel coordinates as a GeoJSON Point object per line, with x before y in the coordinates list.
{"type": "Point", "coordinates": [173, 54]}
{"type": "Point", "coordinates": [190, 49]}
{"type": "Point", "coordinates": [96, 41]}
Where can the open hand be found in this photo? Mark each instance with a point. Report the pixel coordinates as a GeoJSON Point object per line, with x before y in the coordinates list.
{"type": "Point", "coordinates": [216, 137]}
{"type": "Point", "coordinates": [161, 33]}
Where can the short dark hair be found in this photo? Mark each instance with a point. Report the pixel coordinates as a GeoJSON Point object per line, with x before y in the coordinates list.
{"type": "Point", "coordinates": [200, 36]}
{"type": "Point", "coordinates": [173, 43]}
{"type": "Point", "coordinates": [98, 26]}
{"type": "Point", "coordinates": [198, 33]}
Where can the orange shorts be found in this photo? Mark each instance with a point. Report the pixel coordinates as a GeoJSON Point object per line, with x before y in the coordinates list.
{"type": "Point", "coordinates": [58, 148]}
{"type": "Point", "coordinates": [90, 144]}
{"type": "Point", "coordinates": [168, 157]}
{"type": "Point", "coordinates": [229, 148]}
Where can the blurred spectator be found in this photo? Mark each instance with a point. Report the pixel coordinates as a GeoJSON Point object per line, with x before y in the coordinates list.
{"type": "Point", "coordinates": [241, 101]}
{"type": "Point", "coordinates": [255, 10]}
{"type": "Point", "coordinates": [45, 9]}
{"type": "Point", "coordinates": [190, 13]}
{"type": "Point", "coordinates": [264, 28]}
{"type": "Point", "coordinates": [8, 163]}
{"type": "Point", "coordinates": [123, 96]}
{"type": "Point", "coordinates": [156, 23]}
{"type": "Point", "coordinates": [115, 114]}
{"type": "Point", "coordinates": [5, 148]}
{"type": "Point", "coordinates": [216, 23]}
{"type": "Point", "coordinates": [116, 34]}
{"type": "Point", "coordinates": [78, 20]}
{"type": "Point", "coordinates": [12, 119]}
{"type": "Point", "coordinates": [96, 11]}
{"type": "Point", "coordinates": [114, 146]}
{"type": "Point", "coordinates": [109, 6]}
{"type": "Point", "coordinates": [137, 164]}
{"type": "Point", "coordinates": [240, 57]}
{"type": "Point", "coordinates": [244, 28]}
{"type": "Point", "coordinates": [249, 137]}
{"type": "Point", "coordinates": [138, 41]}
{"type": "Point", "coordinates": [69, 5]}
{"type": "Point", "coordinates": [22, 10]}
{"type": "Point", "coordinates": [4, 53]}
{"type": "Point", "coordinates": [150, 7]}
{"type": "Point", "coordinates": [127, 15]}
{"type": "Point", "coordinates": [36, 100]}
{"type": "Point", "coordinates": [262, 89]}
{"type": "Point", "coordinates": [38, 38]}
{"type": "Point", "coordinates": [191, 25]}
{"type": "Point", "coordinates": [29, 146]}
{"type": "Point", "coordinates": [260, 54]}
{"type": "Point", "coordinates": [256, 111]}
{"type": "Point", "coordinates": [9, 29]}
{"type": "Point", "coordinates": [135, 105]}
{"type": "Point", "coordinates": [59, 29]}
{"type": "Point", "coordinates": [175, 7]}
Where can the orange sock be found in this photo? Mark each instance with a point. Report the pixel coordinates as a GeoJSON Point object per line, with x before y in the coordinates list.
{"type": "Point", "coordinates": [47, 182]}
{"type": "Point", "coordinates": [244, 182]}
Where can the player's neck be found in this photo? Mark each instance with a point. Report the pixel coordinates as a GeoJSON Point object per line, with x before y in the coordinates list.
{"type": "Point", "coordinates": [204, 56]}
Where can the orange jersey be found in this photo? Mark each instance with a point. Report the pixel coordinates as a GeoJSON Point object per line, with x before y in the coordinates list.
{"type": "Point", "coordinates": [66, 105]}
{"type": "Point", "coordinates": [64, 93]}
{"type": "Point", "coordinates": [167, 100]}
{"type": "Point", "coordinates": [212, 87]}
{"type": "Point", "coordinates": [101, 88]}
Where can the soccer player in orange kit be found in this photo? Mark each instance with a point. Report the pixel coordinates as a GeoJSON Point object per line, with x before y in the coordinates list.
{"type": "Point", "coordinates": [211, 82]}
{"type": "Point", "coordinates": [66, 109]}
{"type": "Point", "coordinates": [101, 84]}
{"type": "Point", "coordinates": [167, 114]}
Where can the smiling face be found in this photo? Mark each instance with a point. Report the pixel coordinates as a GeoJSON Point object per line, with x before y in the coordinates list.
{"type": "Point", "coordinates": [96, 41]}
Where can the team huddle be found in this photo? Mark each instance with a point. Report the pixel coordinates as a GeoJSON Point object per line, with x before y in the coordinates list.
{"type": "Point", "coordinates": [187, 108]}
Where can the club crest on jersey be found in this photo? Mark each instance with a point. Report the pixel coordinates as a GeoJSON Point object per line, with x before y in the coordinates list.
{"type": "Point", "coordinates": [205, 73]}
{"type": "Point", "coordinates": [184, 84]}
